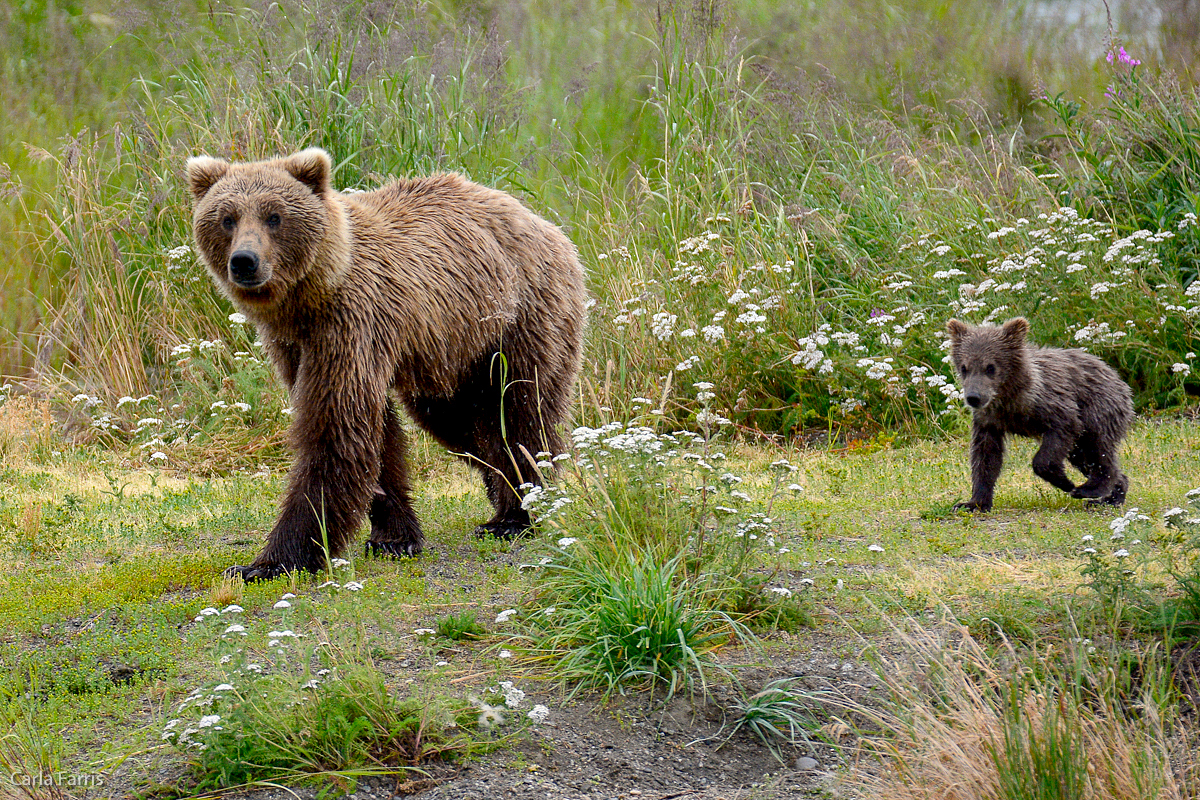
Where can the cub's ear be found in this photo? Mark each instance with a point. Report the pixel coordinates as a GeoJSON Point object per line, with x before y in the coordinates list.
{"type": "Point", "coordinates": [312, 167]}
{"type": "Point", "coordinates": [1015, 329]}
{"type": "Point", "coordinates": [203, 172]}
{"type": "Point", "coordinates": [957, 330]}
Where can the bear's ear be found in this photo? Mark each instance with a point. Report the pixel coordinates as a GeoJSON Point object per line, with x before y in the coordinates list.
{"type": "Point", "coordinates": [203, 172]}
{"type": "Point", "coordinates": [312, 167]}
{"type": "Point", "coordinates": [1015, 330]}
{"type": "Point", "coordinates": [957, 330]}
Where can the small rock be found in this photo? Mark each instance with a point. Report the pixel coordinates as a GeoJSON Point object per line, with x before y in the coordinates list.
{"type": "Point", "coordinates": [805, 763]}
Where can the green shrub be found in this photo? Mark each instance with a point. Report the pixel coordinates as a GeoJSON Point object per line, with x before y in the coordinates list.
{"type": "Point", "coordinates": [642, 626]}
{"type": "Point", "coordinates": [662, 557]}
{"type": "Point", "coordinates": [776, 715]}
{"type": "Point", "coordinates": [1136, 160]}
{"type": "Point", "coordinates": [291, 709]}
{"type": "Point", "coordinates": [456, 627]}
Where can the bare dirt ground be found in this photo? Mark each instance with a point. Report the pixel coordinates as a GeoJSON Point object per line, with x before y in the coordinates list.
{"type": "Point", "coordinates": [631, 748]}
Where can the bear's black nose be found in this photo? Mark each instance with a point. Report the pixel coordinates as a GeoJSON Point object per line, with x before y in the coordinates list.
{"type": "Point", "coordinates": [974, 400]}
{"type": "Point", "coordinates": [243, 268]}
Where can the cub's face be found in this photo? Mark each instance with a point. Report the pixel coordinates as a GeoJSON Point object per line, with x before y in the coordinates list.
{"type": "Point", "coordinates": [258, 225]}
{"type": "Point", "coordinates": [984, 358]}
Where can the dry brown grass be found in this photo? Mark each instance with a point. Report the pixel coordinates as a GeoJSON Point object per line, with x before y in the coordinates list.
{"type": "Point", "coordinates": [27, 428]}
{"type": "Point", "coordinates": [965, 724]}
{"type": "Point", "coordinates": [229, 590]}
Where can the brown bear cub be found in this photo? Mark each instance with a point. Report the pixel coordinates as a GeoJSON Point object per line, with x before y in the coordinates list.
{"type": "Point", "coordinates": [1073, 401]}
{"type": "Point", "coordinates": [453, 297]}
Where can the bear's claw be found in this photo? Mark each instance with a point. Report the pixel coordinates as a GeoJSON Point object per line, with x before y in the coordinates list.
{"type": "Point", "coordinates": [502, 529]}
{"type": "Point", "coordinates": [375, 549]}
{"type": "Point", "coordinates": [971, 505]}
{"type": "Point", "coordinates": [258, 572]}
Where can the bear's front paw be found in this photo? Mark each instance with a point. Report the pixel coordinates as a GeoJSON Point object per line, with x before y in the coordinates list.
{"type": "Point", "coordinates": [1085, 492]}
{"type": "Point", "coordinates": [375, 549]}
{"type": "Point", "coordinates": [972, 505]}
{"type": "Point", "coordinates": [258, 572]}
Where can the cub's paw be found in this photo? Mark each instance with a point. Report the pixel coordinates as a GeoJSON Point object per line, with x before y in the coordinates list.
{"type": "Point", "coordinates": [1086, 492]}
{"type": "Point", "coordinates": [1115, 498]}
{"type": "Point", "coordinates": [375, 549]}
{"type": "Point", "coordinates": [502, 529]}
{"type": "Point", "coordinates": [259, 572]}
{"type": "Point", "coordinates": [972, 506]}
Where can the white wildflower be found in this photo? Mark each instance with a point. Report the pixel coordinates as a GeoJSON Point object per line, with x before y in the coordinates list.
{"type": "Point", "coordinates": [490, 716]}
{"type": "Point", "coordinates": [512, 695]}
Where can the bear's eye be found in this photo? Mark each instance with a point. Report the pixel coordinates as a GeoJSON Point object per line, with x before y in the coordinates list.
{"type": "Point", "coordinates": [990, 370]}
{"type": "Point", "coordinates": [273, 221]}
{"type": "Point", "coordinates": [227, 223]}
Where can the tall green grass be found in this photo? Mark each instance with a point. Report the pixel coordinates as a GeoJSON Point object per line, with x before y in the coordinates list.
{"type": "Point", "coordinates": [749, 218]}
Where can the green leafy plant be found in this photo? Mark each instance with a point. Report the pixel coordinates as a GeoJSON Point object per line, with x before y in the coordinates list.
{"type": "Point", "coordinates": [459, 626]}
{"type": "Point", "coordinates": [776, 715]}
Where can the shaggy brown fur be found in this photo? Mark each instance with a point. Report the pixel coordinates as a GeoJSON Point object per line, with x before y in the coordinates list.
{"type": "Point", "coordinates": [454, 296]}
{"type": "Point", "coordinates": [1073, 401]}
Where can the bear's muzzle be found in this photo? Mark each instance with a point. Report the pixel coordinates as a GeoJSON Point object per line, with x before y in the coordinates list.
{"type": "Point", "coordinates": [243, 269]}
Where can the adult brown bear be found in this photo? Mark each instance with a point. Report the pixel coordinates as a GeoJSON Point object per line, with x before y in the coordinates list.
{"type": "Point", "coordinates": [453, 296]}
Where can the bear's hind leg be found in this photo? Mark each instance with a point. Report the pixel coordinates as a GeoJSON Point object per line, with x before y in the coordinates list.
{"type": "Point", "coordinates": [1099, 467]}
{"type": "Point", "coordinates": [1048, 461]}
{"type": "Point", "coordinates": [395, 529]}
{"type": "Point", "coordinates": [468, 424]}
{"type": "Point", "coordinates": [510, 519]}
{"type": "Point", "coordinates": [506, 466]}
{"type": "Point", "coordinates": [1083, 457]}
{"type": "Point", "coordinates": [1117, 496]}
{"type": "Point", "coordinates": [532, 414]}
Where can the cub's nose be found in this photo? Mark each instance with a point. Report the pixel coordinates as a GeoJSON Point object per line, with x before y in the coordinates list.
{"type": "Point", "coordinates": [974, 400]}
{"type": "Point", "coordinates": [243, 268]}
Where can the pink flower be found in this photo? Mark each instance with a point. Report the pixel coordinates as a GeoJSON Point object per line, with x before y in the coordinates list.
{"type": "Point", "coordinates": [1122, 57]}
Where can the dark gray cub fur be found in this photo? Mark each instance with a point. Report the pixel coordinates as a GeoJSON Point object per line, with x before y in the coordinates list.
{"type": "Point", "coordinates": [1074, 402]}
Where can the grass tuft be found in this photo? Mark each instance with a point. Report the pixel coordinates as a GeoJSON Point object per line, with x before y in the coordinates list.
{"type": "Point", "coordinates": [971, 724]}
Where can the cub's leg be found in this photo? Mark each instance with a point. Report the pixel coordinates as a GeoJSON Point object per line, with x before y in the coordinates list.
{"type": "Point", "coordinates": [1120, 488]}
{"type": "Point", "coordinates": [1048, 460]}
{"type": "Point", "coordinates": [1099, 467]}
{"type": "Point", "coordinates": [987, 457]}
